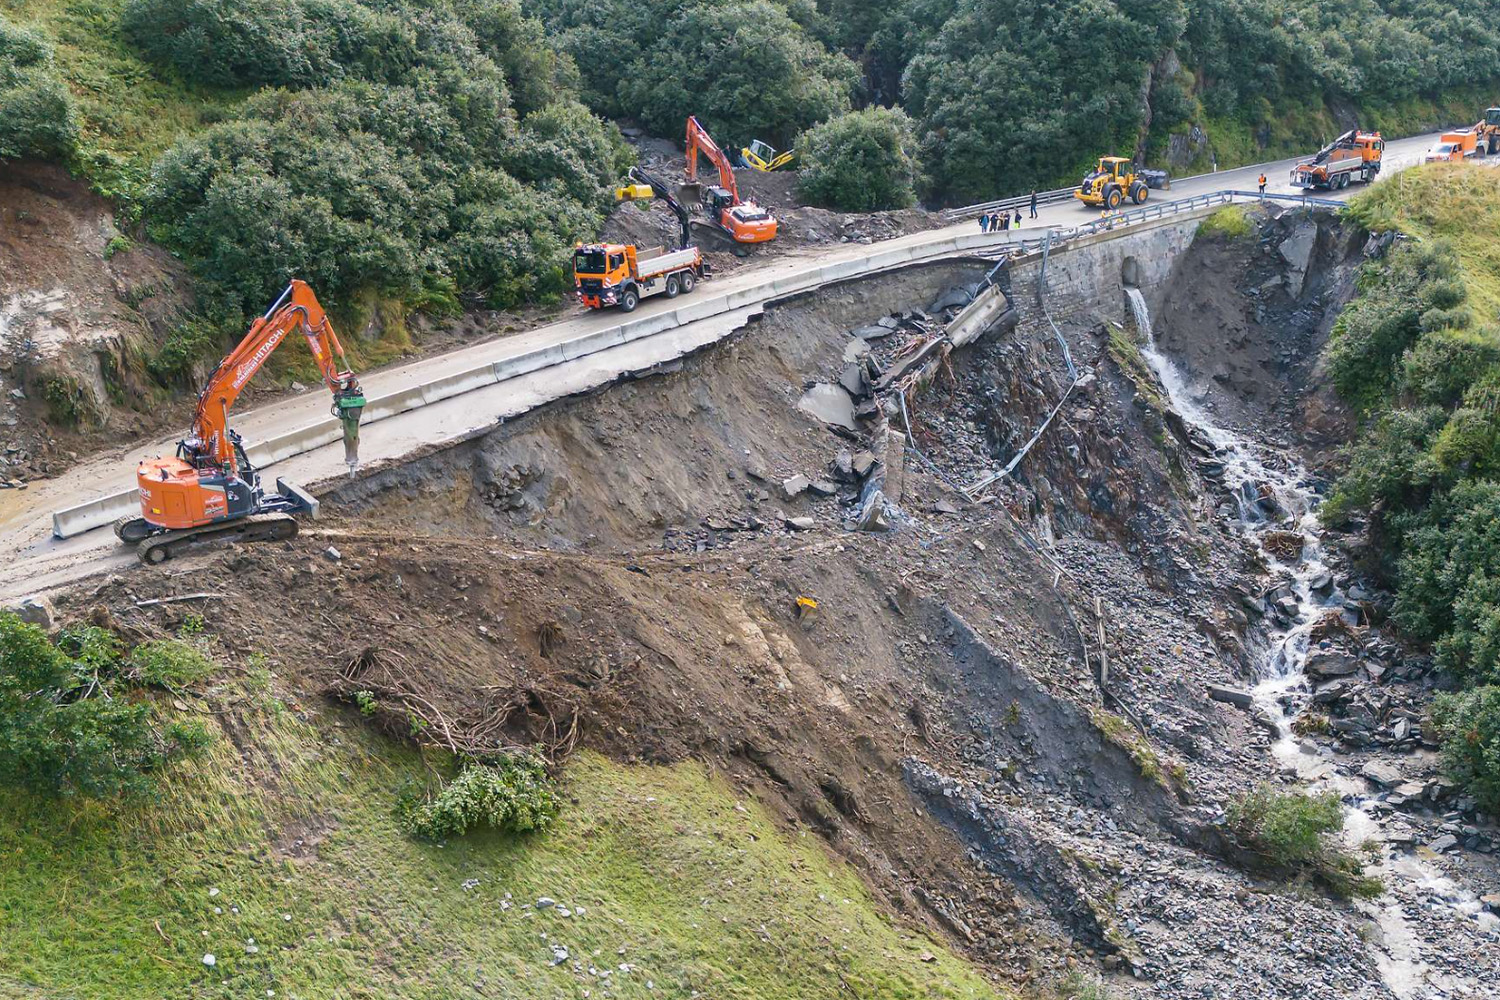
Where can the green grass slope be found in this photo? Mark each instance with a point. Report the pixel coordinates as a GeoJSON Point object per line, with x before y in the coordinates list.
{"type": "Point", "coordinates": [1458, 203]}
{"type": "Point", "coordinates": [130, 113]}
{"type": "Point", "coordinates": [675, 887]}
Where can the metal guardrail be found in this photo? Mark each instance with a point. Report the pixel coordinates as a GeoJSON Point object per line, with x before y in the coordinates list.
{"type": "Point", "coordinates": [1057, 235]}
{"type": "Point", "coordinates": [1042, 198]}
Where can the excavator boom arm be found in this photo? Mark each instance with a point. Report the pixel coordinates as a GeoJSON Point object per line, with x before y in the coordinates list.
{"type": "Point", "coordinates": [661, 192]}
{"type": "Point", "coordinates": [699, 141]}
{"type": "Point", "coordinates": [297, 308]}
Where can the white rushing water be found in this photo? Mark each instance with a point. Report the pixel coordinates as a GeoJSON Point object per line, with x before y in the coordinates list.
{"type": "Point", "coordinates": [1273, 492]}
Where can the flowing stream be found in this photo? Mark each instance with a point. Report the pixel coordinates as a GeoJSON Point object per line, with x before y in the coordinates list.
{"type": "Point", "coordinates": [1277, 504]}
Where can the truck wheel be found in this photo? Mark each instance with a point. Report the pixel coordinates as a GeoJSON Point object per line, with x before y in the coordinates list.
{"type": "Point", "coordinates": [1113, 197]}
{"type": "Point", "coordinates": [672, 286]}
{"type": "Point", "coordinates": [1138, 193]}
{"type": "Point", "coordinates": [689, 279]}
{"type": "Point", "coordinates": [629, 299]}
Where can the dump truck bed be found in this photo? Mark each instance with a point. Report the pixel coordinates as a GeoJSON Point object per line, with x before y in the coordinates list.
{"type": "Point", "coordinates": [660, 262]}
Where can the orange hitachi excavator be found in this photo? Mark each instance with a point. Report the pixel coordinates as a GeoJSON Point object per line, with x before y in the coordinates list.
{"type": "Point", "coordinates": [209, 489]}
{"type": "Point", "coordinates": [742, 221]}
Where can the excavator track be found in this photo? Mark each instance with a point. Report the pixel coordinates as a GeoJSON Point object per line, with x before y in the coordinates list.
{"type": "Point", "coordinates": [710, 236]}
{"type": "Point", "coordinates": [254, 528]}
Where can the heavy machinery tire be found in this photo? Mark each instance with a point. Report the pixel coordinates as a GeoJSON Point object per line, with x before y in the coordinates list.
{"type": "Point", "coordinates": [629, 299]}
{"type": "Point", "coordinates": [1113, 198]}
{"type": "Point", "coordinates": [132, 529]}
{"type": "Point", "coordinates": [688, 281]}
{"type": "Point", "coordinates": [673, 288]}
{"type": "Point", "coordinates": [1138, 193]}
{"type": "Point", "coordinates": [1343, 181]}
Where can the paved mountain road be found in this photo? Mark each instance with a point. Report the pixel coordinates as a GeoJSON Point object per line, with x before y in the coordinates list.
{"type": "Point", "coordinates": [33, 560]}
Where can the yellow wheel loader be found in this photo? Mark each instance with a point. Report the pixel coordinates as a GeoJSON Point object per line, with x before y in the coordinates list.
{"type": "Point", "coordinates": [1115, 179]}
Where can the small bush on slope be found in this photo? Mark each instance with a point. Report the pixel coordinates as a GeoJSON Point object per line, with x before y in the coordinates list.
{"type": "Point", "coordinates": [513, 795]}
{"type": "Point", "coordinates": [37, 116]}
{"type": "Point", "coordinates": [1291, 832]}
{"type": "Point", "coordinates": [68, 723]}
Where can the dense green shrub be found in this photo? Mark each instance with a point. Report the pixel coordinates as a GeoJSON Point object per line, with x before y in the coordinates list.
{"type": "Point", "coordinates": [747, 68]}
{"type": "Point", "coordinates": [411, 177]}
{"type": "Point", "coordinates": [863, 161]}
{"type": "Point", "coordinates": [1294, 833]}
{"type": "Point", "coordinates": [37, 115]}
{"type": "Point", "coordinates": [1409, 291]}
{"type": "Point", "coordinates": [232, 43]}
{"type": "Point", "coordinates": [1449, 580]}
{"type": "Point", "coordinates": [169, 663]}
{"type": "Point", "coordinates": [68, 725]}
{"type": "Point", "coordinates": [1469, 724]}
{"type": "Point", "coordinates": [514, 795]}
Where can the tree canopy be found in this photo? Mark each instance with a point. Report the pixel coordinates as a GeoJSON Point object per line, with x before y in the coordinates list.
{"type": "Point", "coordinates": [421, 151]}
{"type": "Point", "coordinates": [859, 162]}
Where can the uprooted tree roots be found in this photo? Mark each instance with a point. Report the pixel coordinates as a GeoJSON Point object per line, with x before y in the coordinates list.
{"type": "Point", "coordinates": [506, 720]}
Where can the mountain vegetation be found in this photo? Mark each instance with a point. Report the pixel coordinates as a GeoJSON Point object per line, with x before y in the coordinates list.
{"type": "Point", "coordinates": [1418, 356]}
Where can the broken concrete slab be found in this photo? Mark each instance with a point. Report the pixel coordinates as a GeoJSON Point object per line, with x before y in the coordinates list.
{"type": "Point", "coordinates": [862, 463]}
{"type": "Point", "coordinates": [795, 486]}
{"type": "Point", "coordinates": [830, 404]}
{"type": "Point", "coordinates": [1238, 697]}
{"type": "Point", "coordinates": [800, 523]}
{"type": "Point", "coordinates": [853, 379]}
{"type": "Point", "coordinates": [856, 349]}
{"type": "Point", "coordinates": [874, 332]}
{"type": "Point", "coordinates": [872, 513]}
{"type": "Point", "coordinates": [823, 488]}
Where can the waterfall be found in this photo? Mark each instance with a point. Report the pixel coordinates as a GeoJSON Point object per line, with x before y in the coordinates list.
{"type": "Point", "coordinates": [1274, 494]}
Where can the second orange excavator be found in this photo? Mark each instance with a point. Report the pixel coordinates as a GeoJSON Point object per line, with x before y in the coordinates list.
{"type": "Point", "coordinates": [209, 489]}
{"type": "Point", "coordinates": [741, 221]}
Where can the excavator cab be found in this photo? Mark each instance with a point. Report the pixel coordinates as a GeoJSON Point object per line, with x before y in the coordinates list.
{"type": "Point", "coordinates": [1492, 117]}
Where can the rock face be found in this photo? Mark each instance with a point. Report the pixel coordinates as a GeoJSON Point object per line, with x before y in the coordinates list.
{"type": "Point", "coordinates": [1297, 250]}
{"type": "Point", "coordinates": [36, 610]}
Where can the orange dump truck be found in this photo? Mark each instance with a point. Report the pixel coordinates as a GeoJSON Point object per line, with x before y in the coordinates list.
{"type": "Point", "coordinates": [1353, 156]}
{"type": "Point", "coordinates": [1454, 146]}
{"type": "Point", "coordinates": [612, 274]}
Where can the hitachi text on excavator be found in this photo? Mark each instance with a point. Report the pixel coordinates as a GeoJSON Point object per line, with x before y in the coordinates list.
{"type": "Point", "coordinates": [209, 489]}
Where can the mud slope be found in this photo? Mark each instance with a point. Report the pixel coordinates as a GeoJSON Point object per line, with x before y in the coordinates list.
{"type": "Point", "coordinates": [622, 572]}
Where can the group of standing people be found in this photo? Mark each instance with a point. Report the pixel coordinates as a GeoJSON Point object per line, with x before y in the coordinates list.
{"type": "Point", "coordinates": [995, 222]}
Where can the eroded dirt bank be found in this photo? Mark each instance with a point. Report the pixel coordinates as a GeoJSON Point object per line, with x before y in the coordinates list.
{"type": "Point", "coordinates": [623, 571]}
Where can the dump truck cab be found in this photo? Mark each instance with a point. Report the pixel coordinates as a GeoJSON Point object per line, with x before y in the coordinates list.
{"type": "Point", "coordinates": [600, 271]}
{"type": "Point", "coordinates": [1114, 179]}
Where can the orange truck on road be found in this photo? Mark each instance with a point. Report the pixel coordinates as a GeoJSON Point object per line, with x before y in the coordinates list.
{"type": "Point", "coordinates": [1454, 146]}
{"type": "Point", "coordinates": [1353, 156]}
